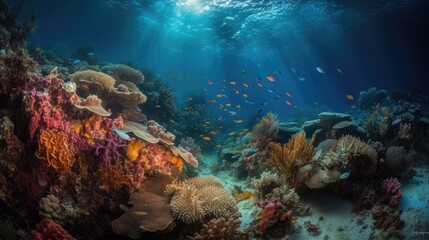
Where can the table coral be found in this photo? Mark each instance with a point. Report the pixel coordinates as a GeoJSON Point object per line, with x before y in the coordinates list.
{"type": "Point", "coordinates": [54, 151]}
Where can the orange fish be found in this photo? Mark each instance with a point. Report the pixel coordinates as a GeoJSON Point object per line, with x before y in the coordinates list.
{"type": "Point", "coordinates": [238, 106]}
{"type": "Point", "coordinates": [260, 85]}
{"type": "Point", "coordinates": [288, 102]}
{"type": "Point", "coordinates": [213, 132]}
{"type": "Point", "coordinates": [210, 82]}
{"type": "Point", "coordinates": [206, 138]}
{"type": "Point", "coordinates": [242, 196]}
{"type": "Point", "coordinates": [157, 106]}
{"type": "Point", "coordinates": [270, 78]}
{"type": "Point", "coordinates": [237, 92]}
{"type": "Point", "coordinates": [288, 94]}
{"type": "Point", "coordinates": [238, 121]}
{"type": "Point", "coordinates": [219, 95]}
{"type": "Point", "coordinates": [232, 83]}
{"type": "Point", "coordinates": [245, 95]}
{"type": "Point", "coordinates": [212, 101]}
{"type": "Point", "coordinates": [231, 133]}
{"type": "Point", "coordinates": [228, 104]}
{"type": "Point", "coordinates": [238, 138]}
{"type": "Point", "coordinates": [245, 85]}
{"type": "Point", "coordinates": [349, 96]}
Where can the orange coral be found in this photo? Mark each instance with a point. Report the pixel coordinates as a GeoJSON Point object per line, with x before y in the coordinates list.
{"type": "Point", "coordinates": [177, 161]}
{"type": "Point", "coordinates": [290, 157]}
{"type": "Point", "coordinates": [54, 151]}
{"type": "Point", "coordinates": [133, 149]}
{"type": "Point", "coordinates": [113, 178]}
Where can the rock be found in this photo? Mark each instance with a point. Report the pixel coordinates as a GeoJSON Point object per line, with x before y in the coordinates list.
{"type": "Point", "coordinates": [331, 118]}
{"type": "Point", "coordinates": [286, 130]}
{"type": "Point", "coordinates": [424, 121]}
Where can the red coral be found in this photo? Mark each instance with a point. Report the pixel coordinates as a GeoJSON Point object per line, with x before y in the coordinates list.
{"type": "Point", "coordinates": [391, 191]}
{"type": "Point", "coordinates": [273, 211]}
{"type": "Point", "coordinates": [49, 230]}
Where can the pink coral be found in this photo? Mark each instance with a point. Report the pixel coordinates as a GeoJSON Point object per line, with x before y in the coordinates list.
{"type": "Point", "coordinates": [49, 230]}
{"type": "Point", "coordinates": [109, 150]}
{"type": "Point", "coordinates": [391, 191]}
{"type": "Point", "coordinates": [273, 211]}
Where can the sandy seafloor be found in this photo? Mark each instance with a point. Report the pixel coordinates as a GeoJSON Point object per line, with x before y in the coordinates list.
{"type": "Point", "coordinates": [334, 215]}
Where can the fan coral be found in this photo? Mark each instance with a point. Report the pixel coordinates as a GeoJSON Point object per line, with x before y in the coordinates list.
{"type": "Point", "coordinates": [221, 228]}
{"type": "Point", "coordinates": [93, 104]}
{"type": "Point", "coordinates": [290, 157]}
{"type": "Point", "coordinates": [266, 129]}
{"type": "Point", "coordinates": [49, 230]}
{"type": "Point", "coordinates": [54, 151]}
{"type": "Point", "coordinates": [126, 97]}
{"type": "Point", "coordinates": [197, 198]}
{"type": "Point", "coordinates": [124, 73]}
{"type": "Point", "coordinates": [150, 211]}
{"type": "Point", "coordinates": [89, 80]}
{"type": "Point", "coordinates": [391, 191]}
{"type": "Point", "coordinates": [49, 207]}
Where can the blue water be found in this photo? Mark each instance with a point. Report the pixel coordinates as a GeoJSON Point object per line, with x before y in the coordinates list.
{"type": "Point", "coordinates": [187, 43]}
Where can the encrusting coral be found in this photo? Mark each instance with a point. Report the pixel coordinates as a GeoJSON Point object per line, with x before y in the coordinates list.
{"type": "Point", "coordinates": [199, 198]}
{"type": "Point", "coordinates": [290, 157]}
{"type": "Point", "coordinates": [54, 151]}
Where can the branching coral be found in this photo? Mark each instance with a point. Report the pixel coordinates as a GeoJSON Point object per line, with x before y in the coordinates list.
{"type": "Point", "coordinates": [49, 230]}
{"type": "Point", "coordinates": [54, 151]}
{"type": "Point", "coordinates": [290, 157]}
{"type": "Point", "coordinates": [391, 191]}
{"type": "Point", "coordinates": [109, 150]}
{"type": "Point", "coordinates": [221, 228]}
{"type": "Point", "coordinates": [198, 198]}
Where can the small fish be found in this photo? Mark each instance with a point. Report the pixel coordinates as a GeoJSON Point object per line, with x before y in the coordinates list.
{"type": "Point", "coordinates": [237, 92]}
{"type": "Point", "coordinates": [213, 132]}
{"type": "Point", "coordinates": [397, 121]}
{"type": "Point", "coordinates": [288, 94]}
{"type": "Point", "coordinates": [294, 70]}
{"type": "Point", "coordinates": [189, 99]}
{"type": "Point", "coordinates": [345, 175]}
{"type": "Point", "coordinates": [339, 70]}
{"type": "Point", "coordinates": [278, 95]}
{"type": "Point", "coordinates": [260, 110]}
{"type": "Point", "coordinates": [141, 213]}
{"type": "Point", "coordinates": [212, 101]}
{"type": "Point", "coordinates": [271, 78]}
{"type": "Point", "coordinates": [238, 106]}
{"type": "Point", "coordinates": [91, 54]}
{"type": "Point", "coordinates": [270, 90]}
{"type": "Point", "coordinates": [210, 82]}
{"type": "Point", "coordinates": [121, 134]}
{"type": "Point", "coordinates": [259, 78]}
{"type": "Point", "coordinates": [232, 133]}
{"type": "Point", "coordinates": [302, 79]}
{"type": "Point", "coordinates": [245, 85]}
{"type": "Point", "coordinates": [260, 85]}
{"type": "Point", "coordinates": [349, 96]}
{"type": "Point", "coordinates": [248, 101]}
{"type": "Point", "coordinates": [233, 113]}
{"type": "Point", "coordinates": [238, 121]}
{"type": "Point", "coordinates": [228, 104]}
{"type": "Point", "coordinates": [219, 95]}
{"type": "Point", "coordinates": [224, 95]}
{"type": "Point", "coordinates": [233, 83]}
{"type": "Point", "coordinates": [158, 106]}
{"type": "Point", "coordinates": [288, 102]}
{"type": "Point", "coordinates": [245, 95]}
{"type": "Point", "coordinates": [353, 106]}
{"type": "Point", "coordinates": [243, 71]}
{"type": "Point", "coordinates": [319, 69]}
{"type": "Point", "coordinates": [76, 61]}
{"type": "Point", "coordinates": [279, 72]}
{"type": "Point", "coordinates": [206, 138]}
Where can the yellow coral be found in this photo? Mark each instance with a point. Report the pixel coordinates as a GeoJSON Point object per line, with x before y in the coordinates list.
{"type": "Point", "coordinates": [90, 77]}
{"type": "Point", "coordinates": [290, 157]}
{"type": "Point", "coordinates": [54, 151]}
{"type": "Point", "coordinates": [133, 149]}
{"type": "Point", "coordinates": [177, 161]}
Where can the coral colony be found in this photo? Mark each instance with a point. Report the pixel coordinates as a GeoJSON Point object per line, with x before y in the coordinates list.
{"type": "Point", "coordinates": [81, 157]}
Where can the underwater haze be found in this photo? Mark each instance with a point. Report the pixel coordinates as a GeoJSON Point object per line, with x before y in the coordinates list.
{"type": "Point", "coordinates": [214, 119]}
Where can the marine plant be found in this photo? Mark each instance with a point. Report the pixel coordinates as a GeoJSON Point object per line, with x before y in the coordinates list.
{"type": "Point", "coordinates": [290, 157]}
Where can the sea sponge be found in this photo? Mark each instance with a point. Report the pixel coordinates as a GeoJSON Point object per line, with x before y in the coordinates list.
{"type": "Point", "coordinates": [49, 207]}
{"type": "Point", "coordinates": [197, 198]}
{"type": "Point", "coordinates": [89, 79]}
{"type": "Point", "coordinates": [54, 151]}
{"type": "Point", "coordinates": [93, 104]}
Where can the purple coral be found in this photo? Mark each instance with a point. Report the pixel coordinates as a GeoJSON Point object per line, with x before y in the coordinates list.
{"type": "Point", "coordinates": [391, 191]}
{"type": "Point", "coordinates": [108, 150]}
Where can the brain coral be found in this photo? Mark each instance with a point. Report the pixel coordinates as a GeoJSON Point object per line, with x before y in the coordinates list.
{"type": "Point", "coordinates": [91, 77]}
{"type": "Point", "coordinates": [54, 151]}
{"type": "Point", "coordinates": [197, 198]}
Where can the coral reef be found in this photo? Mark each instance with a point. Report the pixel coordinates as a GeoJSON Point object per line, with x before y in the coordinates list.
{"type": "Point", "coordinates": [49, 207]}
{"type": "Point", "coordinates": [49, 230]}
{"type": "Point", "coordinates": [391, 191]}
{"type": "Point", "coordinates": [221, 228]}
{"type": "Point", "coordinates": [389, 221]}
{"type": "Point", "coordinates": [370, 98]}
{"type": "Point", "coordinates": [124, 73]}
{"type": "Point", "coordinates": [290, 157]}
{"type": "Point", "coordinates": [198, 198]}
